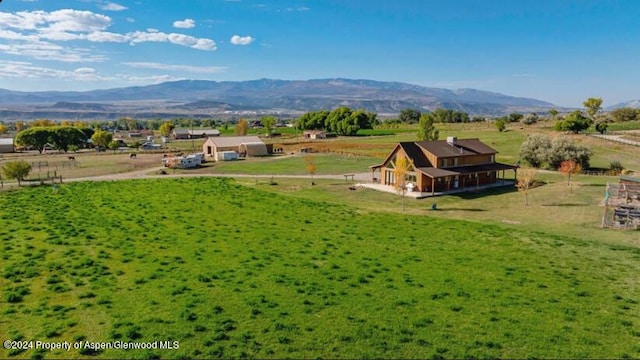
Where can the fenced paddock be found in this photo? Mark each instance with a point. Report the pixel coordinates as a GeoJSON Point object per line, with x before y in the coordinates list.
{"type": "Point", "coordinates": [622, 207]}
{"type": "Point", "coordinates": [55, 165]}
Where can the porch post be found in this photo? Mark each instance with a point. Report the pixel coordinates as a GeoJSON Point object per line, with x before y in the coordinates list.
{"type": "Point", "coordinates": [433, 186]}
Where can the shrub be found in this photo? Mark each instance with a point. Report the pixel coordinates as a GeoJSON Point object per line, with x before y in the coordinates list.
{"type": "Point", "coordinates": [500, 124]}
{"type": "Point", "coordinates": [616, 167]}
{"type": "Point", "coordinates": [530, 119]}
{"type": "Point", "coordinates": [535, 150]}
{"type": "Point", "coordinates": [17, 170]}
{"type": "Point", "coordinates": [563, 149]}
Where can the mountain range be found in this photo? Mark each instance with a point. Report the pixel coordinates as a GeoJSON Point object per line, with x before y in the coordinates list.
{"type": "Point", "coordinates": [634, 104]}
{"type": "Point", "coordinates": [202, 98]}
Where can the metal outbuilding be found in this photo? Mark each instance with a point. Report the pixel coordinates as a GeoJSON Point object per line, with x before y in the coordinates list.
{"type": "Point", "coordinates": [6, 145]}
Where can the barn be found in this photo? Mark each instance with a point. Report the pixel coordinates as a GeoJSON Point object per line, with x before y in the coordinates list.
{"type": "Point", "coordinates": [245, 146]}
{"type": "Point", "coordinates": [6, 145]}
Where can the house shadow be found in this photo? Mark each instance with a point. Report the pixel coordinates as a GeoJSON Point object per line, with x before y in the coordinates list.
{"type": "Point", "coordinates": [476, 194]}
{"type": "Point", "coordinates": [566, 205]}
{"type": "Point", "coordinates": [458, 209]}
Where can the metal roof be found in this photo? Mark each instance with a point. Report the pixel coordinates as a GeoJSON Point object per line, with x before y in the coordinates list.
{"type": "Point", "coordinates": [228, 141]}
{"type": "Point", "coordinates": [441, 148]}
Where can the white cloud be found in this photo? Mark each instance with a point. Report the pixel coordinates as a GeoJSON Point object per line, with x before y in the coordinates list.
{"type": "Point", "coordinates": [113, 7]}
{"type": "Point", "coordinates": [174, 67]}
{"type": "Point", "coordinates": [181, 39]}
{"type": "Point", "coordinates": [26, 70]}
{"type": "Point", "coordinates": [105, 36]}
{"type": "Point", "coordinates": [29, 71]}
{"type": "Point", "coordinates": [36, 34]}
{"type": "Point", "coordinates": [184, 24]}
{"type": "Point", "coordinates": [205, 44]}
{"type": "Point", "coordinates": [241, 40]}
{"type": "Point", "coordinates": [74, 20]}
{"type": "Point", "coordinates": [152, 35]}
{"type": "Point", "coordinates": [300, 9]}
{"type": "Point", "coordinates": [49, 51]}
{"type": "Point", "coordinates": [154, 79]}
{"type": "Point", "coordinates": [86, 73]}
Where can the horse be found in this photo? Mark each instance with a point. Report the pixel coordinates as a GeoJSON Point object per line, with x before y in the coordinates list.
{"type": "Point", "coordinates": [71, 158]}
{"type": "Point", "coordinates": [132, 156]}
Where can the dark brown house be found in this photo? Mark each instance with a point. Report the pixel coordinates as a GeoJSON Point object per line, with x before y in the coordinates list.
{"type": "Point", "coordinates": [443, 165]}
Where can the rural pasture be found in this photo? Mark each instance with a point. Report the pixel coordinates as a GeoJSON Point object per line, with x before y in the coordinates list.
{"type": "Point", "coordinates": [232, 270]}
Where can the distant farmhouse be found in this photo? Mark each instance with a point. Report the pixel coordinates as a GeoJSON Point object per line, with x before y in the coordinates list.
{"type": "Point", "coordinates": [244, 146]}
{"type": "Point", "coordinates": [6, 145]}
{"type": "Point", "coordinates": [440, 166]}
{"type": "Point", "coordinates": [194, 134]}
{"type": "Point", "coordinates": [317, 134]}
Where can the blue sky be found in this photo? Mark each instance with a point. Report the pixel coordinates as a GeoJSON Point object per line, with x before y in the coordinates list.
{"type": "Point", "coordinates": [561, 51]}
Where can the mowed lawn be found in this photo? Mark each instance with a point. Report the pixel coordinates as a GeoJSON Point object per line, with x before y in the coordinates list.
{"type": "Point", "coordinates": [234, 271]}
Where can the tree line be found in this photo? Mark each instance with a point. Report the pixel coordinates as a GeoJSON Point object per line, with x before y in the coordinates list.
{"type": "Point", "coordinates": [62, 138]}
{"type": "Point", "coordinates": [342, 120]}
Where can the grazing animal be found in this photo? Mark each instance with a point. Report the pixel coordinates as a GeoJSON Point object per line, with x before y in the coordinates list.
{"type": "Point", "coordinates": [71, 158]}
{"type": "Point", "coordinates": [132, 156]}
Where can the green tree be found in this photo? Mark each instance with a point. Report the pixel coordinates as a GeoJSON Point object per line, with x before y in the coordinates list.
{"type": "Point", "coordinates": [410, 116]}
{"type": "Point", "coordinates": [450, 116]}
{"type": "Point", "coordinates": [101, 138]}
{"type": "Point", "coordinates": [574, 122]}
{"type": "Point", "coordinates": [592, 106]}
{"type": "Point", "coordinates": [166, 128]}
{"type": "Point", "coordinates": [61, 137]}
{"type": "Point", "coordinates": [241, 128]}
{"type": "Point", "coordinates": [114, 145]}
{"type": "Point", "coordinates": [87, 131]}
{"type": "Point", "coordinates": [313, 120]}
{"type": "Point", "coordinates": [514, 117]}
{"type": "Point", "coordinates": [500, 124]}
{"type": "Point", "coordinates": [3, 129]}
{"type": "Point", "coordinates": [535, 150]}
{"type": "Point", "coordinates": [553, 113]}
{"type": "Point", "coordinates": [37, 137]}
{"type": "Point", "coordinates": [625, 114]}
{"type": "Point", "coordinates": [268, 122]}
{"type": "Point", "coordinates": [426, 128]}
{"type": "Point", "coordinates": [17, 170]}
{"type": "Point", "coordinates": [602, 126]}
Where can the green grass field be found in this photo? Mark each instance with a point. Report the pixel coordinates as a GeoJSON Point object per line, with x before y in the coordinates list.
{"type": "Point", "coordinates": [236, 271]}
{"type": "Point", "coordinates": [296, 165]}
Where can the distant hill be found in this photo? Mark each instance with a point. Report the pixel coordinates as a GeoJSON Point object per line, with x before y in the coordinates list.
{"type": "Point", "coordinates": [634, 104]}
{"type": "Point", "coordinates": [208, 97]}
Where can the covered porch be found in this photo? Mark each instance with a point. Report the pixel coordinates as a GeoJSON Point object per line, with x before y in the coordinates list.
{"type": "Point", "coordinates": [433, 181]}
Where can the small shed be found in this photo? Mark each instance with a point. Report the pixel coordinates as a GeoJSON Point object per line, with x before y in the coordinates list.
{"type": "Point", "coordinates": [6, 145]}
{"type": "Point", "coordinates": [314, 134]}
